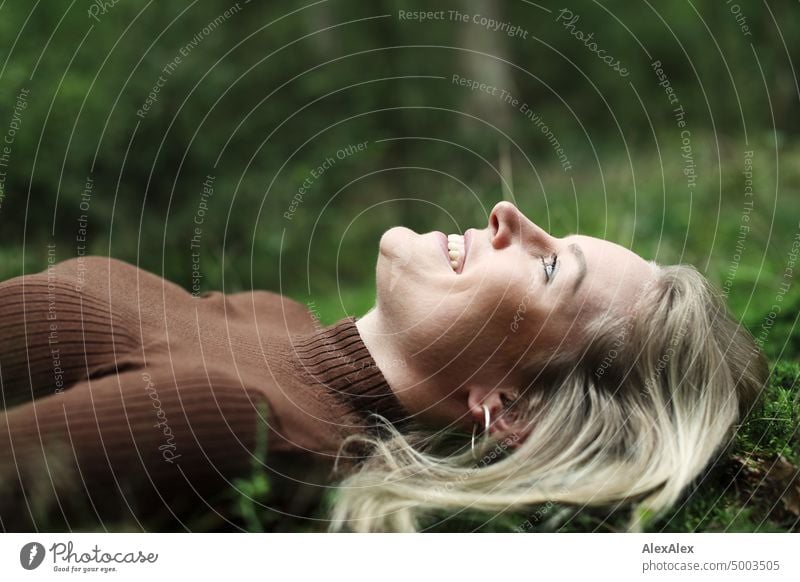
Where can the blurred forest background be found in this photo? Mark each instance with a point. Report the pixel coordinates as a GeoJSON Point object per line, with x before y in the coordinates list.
{"type": "Point", "coordinates": [119, 113]}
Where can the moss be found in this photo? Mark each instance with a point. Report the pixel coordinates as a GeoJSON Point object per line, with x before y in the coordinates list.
{"type": "Point", "coordinates": [772, 427]}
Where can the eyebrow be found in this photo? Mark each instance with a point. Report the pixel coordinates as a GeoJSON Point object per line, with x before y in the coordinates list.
{"type": "Point", "coordinates": [576, 250]}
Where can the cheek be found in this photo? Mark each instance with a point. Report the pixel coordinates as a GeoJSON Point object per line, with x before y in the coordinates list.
{"type": "Point", "coordinates": [505, 291]}
{"type": "Point", "coordinates": [486, 303]}
{"type": "Point", "coordinates": [522, 310]}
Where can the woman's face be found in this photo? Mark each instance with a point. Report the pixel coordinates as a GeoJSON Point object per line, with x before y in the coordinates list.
{"type": "Point", "coordinates": [478, 308]}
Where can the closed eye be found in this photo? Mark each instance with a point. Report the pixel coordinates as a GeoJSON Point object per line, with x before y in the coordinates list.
{"type": "Point", "coordinates": [550, 267]}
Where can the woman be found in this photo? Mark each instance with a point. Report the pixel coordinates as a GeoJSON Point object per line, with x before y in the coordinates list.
{"type": "Point", "coordinates": [592, 376]}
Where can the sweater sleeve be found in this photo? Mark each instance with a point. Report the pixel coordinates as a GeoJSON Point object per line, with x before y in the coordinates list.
{"type": "Point", "coordinates": [54, 333]}
{"type": "Point", "coordinates": [144, 443]}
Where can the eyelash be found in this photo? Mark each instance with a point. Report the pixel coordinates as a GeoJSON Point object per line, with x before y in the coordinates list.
{"type": "Point", "coordinates": [551, 266]}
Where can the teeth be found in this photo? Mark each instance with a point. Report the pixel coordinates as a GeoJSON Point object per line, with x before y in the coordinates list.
{"type": "Point", "coordinates": [455, 249]}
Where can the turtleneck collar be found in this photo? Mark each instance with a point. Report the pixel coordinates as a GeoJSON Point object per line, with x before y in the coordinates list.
{"type": "Point", "coordinates": [337, 358]}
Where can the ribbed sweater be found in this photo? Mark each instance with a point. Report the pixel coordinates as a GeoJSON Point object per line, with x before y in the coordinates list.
{"type": "Point", "coordinates": [128, 398]}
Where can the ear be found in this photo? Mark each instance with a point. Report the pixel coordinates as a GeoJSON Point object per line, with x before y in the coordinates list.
{"type": "Point", "coordinates": [502, 424]}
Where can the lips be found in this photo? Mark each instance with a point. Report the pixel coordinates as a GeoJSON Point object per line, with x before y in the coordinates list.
{"type": "Point", "coordinates": [467, 244]}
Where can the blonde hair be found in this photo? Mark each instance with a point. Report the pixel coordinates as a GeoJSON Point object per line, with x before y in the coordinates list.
{"type": "Point", "coordinates": [650, 402]}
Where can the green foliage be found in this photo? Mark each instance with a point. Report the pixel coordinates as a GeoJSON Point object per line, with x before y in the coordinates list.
{"type": "Point", "coordinates": [252, 493]}
{"type": "Point", "coordinates": [774, 426]}
{"type": "Point", "coordinates": [758, 488]}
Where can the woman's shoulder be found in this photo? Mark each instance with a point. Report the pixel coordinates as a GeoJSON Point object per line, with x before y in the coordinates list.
{"type": "Point", "coordinates": [74, 263]}
{"type": "Point", "coordinates": [94, 264]}
{"type": "Point", "coordinates": [96, 272]}
{"type": "Point", "coordinates": [278, 313]}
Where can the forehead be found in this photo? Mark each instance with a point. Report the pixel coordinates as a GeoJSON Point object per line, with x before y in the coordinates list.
{"type": "Point", "coordinates": [615, 275]}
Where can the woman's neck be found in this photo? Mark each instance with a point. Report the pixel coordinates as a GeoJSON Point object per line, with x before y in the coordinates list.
{"type": "Point", "coordinates": [386, 353]}
{"type": "Point", "coordinates": [419, 393]}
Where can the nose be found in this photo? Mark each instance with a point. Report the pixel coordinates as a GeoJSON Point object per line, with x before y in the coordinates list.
{"type": "Point", "coordinates": [508, 225]}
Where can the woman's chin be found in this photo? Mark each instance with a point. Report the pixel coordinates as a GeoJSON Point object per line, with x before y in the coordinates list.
{"type": "Point", "coordinates": [395, 242]}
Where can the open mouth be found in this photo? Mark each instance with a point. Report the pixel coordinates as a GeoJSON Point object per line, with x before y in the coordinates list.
{"type": "Point", "coordinates": [455, 246]}
{"type": "Point", "coordinates": [455, 251]}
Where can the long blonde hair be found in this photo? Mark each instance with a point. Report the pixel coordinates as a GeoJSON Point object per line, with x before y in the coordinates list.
{"type": "Point", "coordinates": [651, 401]}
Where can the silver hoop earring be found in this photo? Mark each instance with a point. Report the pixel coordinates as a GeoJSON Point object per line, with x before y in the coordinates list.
{"type": "Point", "coordinates": [486, 422]}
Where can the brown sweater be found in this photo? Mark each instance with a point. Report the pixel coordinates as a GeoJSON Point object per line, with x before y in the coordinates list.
{"type": "Point", "coordinates": [126, 398]}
